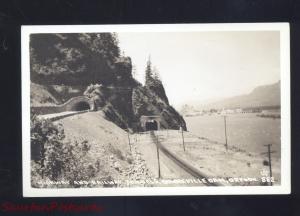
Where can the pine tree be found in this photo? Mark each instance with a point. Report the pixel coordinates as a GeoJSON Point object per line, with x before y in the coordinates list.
{"type": "Point", "coordinates": [153, 81]}
{"type": "Point", "coordinates": [148, 74]}
{"type": "Point", "coordinates": [156, 77]}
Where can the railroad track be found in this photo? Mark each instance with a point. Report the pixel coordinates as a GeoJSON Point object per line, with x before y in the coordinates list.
{"type": "Point", "coordinates": [182, 164]}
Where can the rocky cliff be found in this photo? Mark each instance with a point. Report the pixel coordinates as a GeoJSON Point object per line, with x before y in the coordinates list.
{"type": "Point", "coordinates": [68, 65]}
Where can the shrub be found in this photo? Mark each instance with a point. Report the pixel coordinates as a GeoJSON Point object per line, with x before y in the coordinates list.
{"type": "Point", "coordinates": [55, 159]}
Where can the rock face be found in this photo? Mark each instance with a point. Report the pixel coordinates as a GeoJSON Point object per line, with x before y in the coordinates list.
{"type": "Point", "coordinates": [91, 65]}
{"type": "Point", "coordinates": [147, 102]}
{"type": "Point", "coordinates": [125, 108]}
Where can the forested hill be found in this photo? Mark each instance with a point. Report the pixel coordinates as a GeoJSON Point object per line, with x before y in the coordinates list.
{"type": "Point", "coordinates": [73, 64]}
{"type": "Point", "coordinates": [78, 59]}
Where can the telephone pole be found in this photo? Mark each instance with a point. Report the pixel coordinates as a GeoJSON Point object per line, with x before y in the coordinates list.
{"type": "Point", "coordinates": [226, 144]}
{"type": "Point", "coordinates": [128, 139]}
{"type": "Point", "coordinates": [181, 128]}
{"type": "Point", "coordinates": [157, 152]}
{"type": "Point", "coordinates": [270, 162]}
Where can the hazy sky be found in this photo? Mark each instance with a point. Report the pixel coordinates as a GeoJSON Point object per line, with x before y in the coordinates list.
{"type": "Point", "coordinates": [198, 66]}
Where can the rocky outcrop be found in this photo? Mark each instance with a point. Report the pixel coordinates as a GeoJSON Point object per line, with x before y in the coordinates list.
{"type": "Point", "coordinates": [147, 102]}
{"type": "Point", "coordinates": [70, 65]}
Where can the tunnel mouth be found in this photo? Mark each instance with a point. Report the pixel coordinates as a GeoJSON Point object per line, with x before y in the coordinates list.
{"type": "Point", "coordinates": [81, 106]}
{"type": "Point", "coordinates": [151, 125]}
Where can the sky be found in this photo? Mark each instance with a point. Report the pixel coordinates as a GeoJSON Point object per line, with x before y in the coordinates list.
{"type": "Point", "coordinates": [199, 66]}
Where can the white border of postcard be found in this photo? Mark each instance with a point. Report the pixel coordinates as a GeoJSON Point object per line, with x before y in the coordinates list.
{"type": "Point", "coordinates": [285, 186]}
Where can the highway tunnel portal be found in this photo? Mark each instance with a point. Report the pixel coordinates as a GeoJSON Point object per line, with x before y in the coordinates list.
{"type": "Point", "coordinates": [79, 104]}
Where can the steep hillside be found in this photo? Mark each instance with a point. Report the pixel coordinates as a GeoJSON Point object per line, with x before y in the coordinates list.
{"type": "Point", "coordinates": [78, 59]}
{"type": "Point", "coordinates": [40, 96]}
{"type": "Point", "coordinates": [69, 65]}
{"type": "Point", "coordinates": [109, 145]}
{"type": "Point", "coordinates": [145, 102]}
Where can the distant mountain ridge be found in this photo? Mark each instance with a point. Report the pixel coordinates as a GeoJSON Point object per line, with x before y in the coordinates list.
{"type": "Point", "coordinates": [261, 96]}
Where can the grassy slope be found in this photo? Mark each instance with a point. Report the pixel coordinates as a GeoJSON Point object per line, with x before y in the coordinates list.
{"type": "Point", "coordinates": [109, 144]}
{"type": "Point", "coordinates": [40, 96]}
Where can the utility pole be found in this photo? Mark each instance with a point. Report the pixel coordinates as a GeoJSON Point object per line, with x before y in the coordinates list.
{"type": "Point", "coordinates": [226, 144]}
{"type": "Point", "coordinates": [167, 132]}
{"type": "Point", "coordinates": [181, 128]}
{"type": "Point", "coordinates": [128, 139]}
{"type": "Point", "coordinates": [270, 162]}
{"type": "Point", "coordinates": [157, 152]}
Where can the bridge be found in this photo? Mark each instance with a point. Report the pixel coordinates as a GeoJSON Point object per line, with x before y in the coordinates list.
{"type": "Point", "coordinates": [79, 103]}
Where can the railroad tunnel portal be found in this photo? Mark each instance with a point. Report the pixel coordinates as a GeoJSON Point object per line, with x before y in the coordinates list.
{"type": "Point", "coordinates": [150, 123]}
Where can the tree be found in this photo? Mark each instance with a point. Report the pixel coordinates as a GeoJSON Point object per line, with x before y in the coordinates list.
{"type": "Point", "coordinates": [53, 158]}
{"type": "Point", "coordinates": [74, 59]}
{"type": "Point", "coordinates": [149, 74]}
{"type": "Point", "coordinates": [156, 77]}
{"type": "Point", "coordinates": [153, 81]}
{"type": "Point", "coordinates": [107, 44]}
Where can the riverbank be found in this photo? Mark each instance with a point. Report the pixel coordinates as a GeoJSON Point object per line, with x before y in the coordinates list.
{"type": "Point", "coordinates": [212, 158]}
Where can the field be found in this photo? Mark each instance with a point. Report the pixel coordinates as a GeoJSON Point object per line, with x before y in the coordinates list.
{"type": "Point", "coordinates": [244, 131]}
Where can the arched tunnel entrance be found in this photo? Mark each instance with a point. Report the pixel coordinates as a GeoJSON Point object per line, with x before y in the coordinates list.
{"type": "Point", "coordinates": [80, 106]}
{"type": "Point", "coordinates": [150, 122]}
{"type": "Point", "coordinates": [151, 125]}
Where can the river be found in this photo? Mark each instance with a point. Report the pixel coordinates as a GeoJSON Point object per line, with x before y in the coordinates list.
{"type": "Point", "coordinates": [245, 131]}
